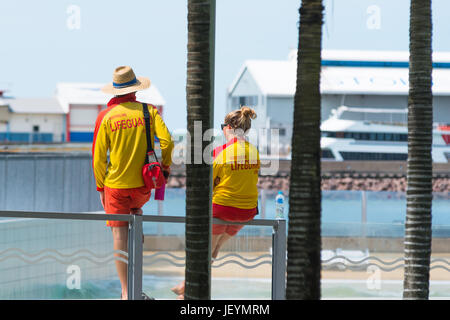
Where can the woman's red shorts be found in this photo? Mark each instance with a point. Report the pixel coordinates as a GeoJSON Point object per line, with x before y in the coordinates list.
{"type": "Point", "coordinates": [231, 214]}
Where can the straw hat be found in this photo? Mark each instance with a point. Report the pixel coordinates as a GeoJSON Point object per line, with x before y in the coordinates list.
{"type": "Point", "coordinates": [125, 81]}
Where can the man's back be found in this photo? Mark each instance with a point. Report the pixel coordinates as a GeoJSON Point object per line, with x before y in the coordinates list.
{"type": "Point", "coordinates": [121, 129]}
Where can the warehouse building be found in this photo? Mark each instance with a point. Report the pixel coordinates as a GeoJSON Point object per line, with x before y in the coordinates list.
{"type": "Point", "coordinates": [31, 120]}
{"type": "Point", "coordinates": [68, 117]}
{"type": "Point", "coordinates": [362, 79]}
{"type": "Point", "coordinates": [82, 102]}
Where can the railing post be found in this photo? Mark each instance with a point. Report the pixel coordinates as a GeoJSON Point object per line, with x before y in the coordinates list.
{"type": "Point", "coordinates": [363, 214]}
{"type": "Point", "coordinates": [160, 213]}
{"type": "Point", "coordinates": [279, 260]}
{"type": "Point", "coordinates": [135, 257]}
{"type": "Point", "coordinates": [263, 203]}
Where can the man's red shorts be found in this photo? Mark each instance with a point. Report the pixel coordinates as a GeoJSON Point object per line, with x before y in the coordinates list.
{"type": "Point", "coordinates": [231, 214]}
{"type": "Point", "coordinates": [121, 201]}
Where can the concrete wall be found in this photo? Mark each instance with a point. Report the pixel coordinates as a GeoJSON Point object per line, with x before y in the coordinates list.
{"type": "Point", "coordinates": [280, 112]}
{"type": "Point", "coordinates": [82, 122]}
{"type": "Point", "coordinates": [441, 109]}
{"type": "Point", "coordinates": [61, 183]}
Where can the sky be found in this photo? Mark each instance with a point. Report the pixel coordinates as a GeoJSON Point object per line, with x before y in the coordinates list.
{"type": "Point", "coordinates": [49, 41]}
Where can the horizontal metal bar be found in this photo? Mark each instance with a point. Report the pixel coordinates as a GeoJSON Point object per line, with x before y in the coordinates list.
{"type": "Point", "coordinates": [255, 222]}
{"type": "Point", "coordinates": [180, 219]}
{"type": "Point", "coordinates": [65, 215]}
{"type": "Point", "coordinates": [169, 219]}
{"type": "Point", "coordinates": [121, 217]}
{"type": "Point", "coordinates": [42, 154]}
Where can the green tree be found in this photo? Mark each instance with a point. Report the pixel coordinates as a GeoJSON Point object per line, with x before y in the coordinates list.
{"type": "Point", "coordinates": [420, 170]}
{"type": "Point", "coordinates": [200, 99]}
{"type": "Point", "coordinates": [304, 240]}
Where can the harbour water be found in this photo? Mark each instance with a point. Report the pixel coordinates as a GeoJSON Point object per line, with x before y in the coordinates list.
{"type": "Point", "coordinates": [341, 212]}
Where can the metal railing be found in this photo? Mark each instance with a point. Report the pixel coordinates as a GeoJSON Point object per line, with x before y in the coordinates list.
{"type": "Point", "coordinates": [135, 245]}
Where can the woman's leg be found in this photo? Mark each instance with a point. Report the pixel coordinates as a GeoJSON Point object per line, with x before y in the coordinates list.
{"type": "Point", "coordinates": [120, 237]}
{"type": "Point", "coordinates": [214, 242]}
{"type": "Point", "coordinates": [217, 243]}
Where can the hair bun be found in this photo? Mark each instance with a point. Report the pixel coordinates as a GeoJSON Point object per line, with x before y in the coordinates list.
{"type": "Point", "coordinates": [248, 112]}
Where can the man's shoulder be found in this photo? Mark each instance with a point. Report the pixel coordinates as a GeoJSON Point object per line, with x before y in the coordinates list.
{"type": "Point", "coordinates": [101, 115]}
{"type": "Point", "coordinates": [120, 111]}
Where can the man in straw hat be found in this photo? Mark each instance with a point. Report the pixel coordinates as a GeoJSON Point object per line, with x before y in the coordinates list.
{"type": "Point", "coordinates": [120, 128]}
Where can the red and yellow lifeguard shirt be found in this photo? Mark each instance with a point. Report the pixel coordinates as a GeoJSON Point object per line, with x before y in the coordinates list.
{"type": "Point", "coordinates": [120, 129]}
{"type": "Point", "coordinates": [237, 165]}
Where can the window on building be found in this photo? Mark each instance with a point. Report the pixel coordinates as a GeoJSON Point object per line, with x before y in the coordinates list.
{"type": "Point", "coordinates": [244, 101]}
{"type": "Point", "coordinates": [374, 156]}
{"type": "Point", "coordinates": [329, 134]}
{"type": "Point", "coordinates": [373, 136]}
{"type": "Point", "coordinates": [326, 154]}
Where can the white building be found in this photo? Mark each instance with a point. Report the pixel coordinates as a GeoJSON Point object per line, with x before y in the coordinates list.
{"type": "Point", "coordinates": [82, 102]}
{"type": "Point", "coordinates": [31, 120]}
{"type": "Point", "coordinates": [374, 79]}
{"type": "Point", "coordinates": [68, 117]}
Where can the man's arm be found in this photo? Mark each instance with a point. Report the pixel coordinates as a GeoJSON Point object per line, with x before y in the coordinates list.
{"type": "Point", "coordinates": [99, 153]}
{"type": "Point", "coordinates": [165, 141]}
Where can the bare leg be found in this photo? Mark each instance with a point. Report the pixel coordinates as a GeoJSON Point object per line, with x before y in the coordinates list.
{"type": "Point", "coordinates": [224, 237]}
{"type": "Point", "coordinates": [120, 236]}
{"type": "Point", "coordinates": [179, 289]}
{"type": "Point", "coordinates": [217, 243]}
{"type": "Point", "coordinates": [137, 211]}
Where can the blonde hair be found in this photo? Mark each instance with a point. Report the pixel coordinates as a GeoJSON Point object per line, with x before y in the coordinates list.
{"type": "Point", "coordinates": [241, 119]}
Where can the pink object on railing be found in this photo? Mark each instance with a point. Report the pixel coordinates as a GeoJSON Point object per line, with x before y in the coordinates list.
{"type": "Point", "coordinates": [159, 193]}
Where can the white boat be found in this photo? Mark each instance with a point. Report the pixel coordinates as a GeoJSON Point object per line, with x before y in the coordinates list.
{"type": "Point", "coordinates": [353, 133]}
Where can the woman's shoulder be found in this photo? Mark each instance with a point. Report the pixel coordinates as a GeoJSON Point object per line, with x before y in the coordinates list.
{"type": "Point", "coordinates": [218, 150]}
{"type": "Point", "coordinates": [251, 147]}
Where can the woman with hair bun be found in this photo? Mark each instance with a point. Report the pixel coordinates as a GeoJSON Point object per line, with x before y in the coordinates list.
{"type": "Point", "coordinates": [235, 177]}
{"type": "Point", "coordinates": [235, 173]}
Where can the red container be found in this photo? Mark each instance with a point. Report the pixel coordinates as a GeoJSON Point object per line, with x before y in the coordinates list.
{"type": "Point", "coordinates": [159, 193]}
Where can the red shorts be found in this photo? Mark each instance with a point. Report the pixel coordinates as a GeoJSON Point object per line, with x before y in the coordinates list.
{"type": "Point", "coordinates": [121, 201]}
{"type": "Point", "coordinates": [231, 214]}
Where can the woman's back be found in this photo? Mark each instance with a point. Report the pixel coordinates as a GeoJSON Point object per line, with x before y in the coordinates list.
{"type": "Point", "coordinates": [235, 171]}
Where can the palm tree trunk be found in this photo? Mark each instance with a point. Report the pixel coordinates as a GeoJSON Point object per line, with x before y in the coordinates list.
{"type": "Point", "coordinates": [199, 91]}
{"type": "Point", "coordinates": [419, 171]}
{"type": "Point", "coordinates": [304, 241]}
